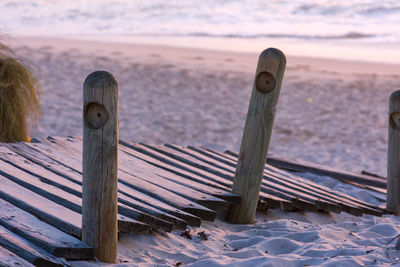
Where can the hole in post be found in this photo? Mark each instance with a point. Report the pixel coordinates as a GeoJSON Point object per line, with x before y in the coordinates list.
{"type": "Point", "coordinates": [265, 82]}
{"type": "Point", "coordinates": [394, 120]}
{"type": "Point", "coordinates": [95, 115]}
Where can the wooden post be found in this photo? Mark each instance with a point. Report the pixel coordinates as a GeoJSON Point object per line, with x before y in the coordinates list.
{"type": "Point", "coordinates": [257, 134]}
{"type": "Point", "coordinates": [100, 163]}
{"type": "Point", "coordinates": [393, 161]}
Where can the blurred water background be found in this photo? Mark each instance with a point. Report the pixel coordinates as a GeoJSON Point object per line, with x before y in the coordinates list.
{"type": "Point", "coordinates": [361, 20]}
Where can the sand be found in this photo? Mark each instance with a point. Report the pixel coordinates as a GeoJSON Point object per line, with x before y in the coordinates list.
{"type": "Point", "coordinates": [276, 239]}
{"type": "Point", "coordinates": [332, 112]}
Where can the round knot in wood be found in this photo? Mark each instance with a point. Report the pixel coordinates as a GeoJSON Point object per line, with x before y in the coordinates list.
{"type": "Point", "coordinates": [265, 82]}
{"type": "Point", "coordinates": [395, 120]}
{"type": "Point", "coordinates": [96, 115]}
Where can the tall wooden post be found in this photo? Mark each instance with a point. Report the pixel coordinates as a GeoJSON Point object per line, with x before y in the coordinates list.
{"type": "Point", "coordinates": [257, 134]}
{"type": "Point", "coordinates": [393, 160]}
{"type": "Point", "coordinates": [100, 163]}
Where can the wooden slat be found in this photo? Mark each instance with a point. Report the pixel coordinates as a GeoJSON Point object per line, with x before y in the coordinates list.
{"type": "Point", "coordinates": [321, 201]}
{"type": "Point", "coordinates": [213, 154]}
{"type": "Point", "coordinates": [317, 196]}
{"type": "Point", "coordinates": [141, 178]}
{"type": "Point", "coordinates": [168, 197]}
{"type": "Point", "coordinates": [364, 172]}
{"type": "Point", "coordinates": [173, 162]}
{"type": "Point", "coordinates": [185, 178]}
{"type": "Point", "coordinates": [54, 214]}
{"type": "Point", "coordinates": [204, 195]}
{"type": "Point", "coordinates": [75, 188]}
{"type": "Point", "coordinates": [72, 201]}
{"type": "Point", "coordinates": [288, 201]}
{"type": "Point", "coordinates": [138, 196]}
{"type": "Point", "coordinates": [225, 164]}
{"type": "Point", "coordinates": [318, 200]}
{"type": "Point", "coordinates": [300, 204]}
{"type": "Point", "coordinates": [227, 179]}
{"type": "Point", "coordinates": [327, 190]}
{"type": "Point", "coordinates": [315, 193]}
{"type": "Point", "coordinates": [274, 202]}
{"type": "Point", "coordinates": [128, 225]}
{"type": "Point", "coordinates": [201, 155]}
{"type": "Point", "coordinates": [27, 250]}
{"type": "Point", "coordinates": [70, 181]}
{"type": "Point", "coordinates": [141, 171]}
{"type": "Point", "coordinates": [177, 222]}
{"type": "Point", "coordinates": [348, 203]}
{"type": "Point", "coordinates": [129, 180]}
{"type": "Point", "coordinates": [177, 175]}
{"type": "Point", "coordinates": [152, 221]}
{"type": "Point", "coordinates": [189, 189]}
{"type": "Point", "coordinates": [188, 193]}
{"type": "Point", "coordinates": [271, 200]}
{"type": "Point", "coordinates": [370, 188]}
{"type": "Point", "coordinates": [123, 189]}
{"type": "Point", "coordinates": [302, 166]}
{"type": "Point", "coordinates": [9, 259]}
{"type": "Point", "coordinates": [181, 157]}
{"type": "Point", "coordinates": [348, 206]}
{"type": "Point", "coordinates": [42, 234]}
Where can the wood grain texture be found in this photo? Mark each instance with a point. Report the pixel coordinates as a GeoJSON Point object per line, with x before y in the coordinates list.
{"type": "Point", "coordinates": [52, 213]}
{"type": "Point", "coordinates": [41, 175]}
{"type": "Point", "coordinates": [228, 172]}
{"type": "Point", "coordinates": [177, 170]}
{"type": "Point", "coordinates": [301, 166]}
{"type": "Point", "coordinates": [27, 250]}
{"type": "Point", "coordinates": [161, 178]}
{"type": "Point", "coordinates": [73, 200]}
{"type": "Point", "coordinates": [137, 188]}
{"type": "Point", "coordinates": [59, 154]}
{"type": "Point", "coordinates": [393, 164]}
{"type": "Point", "coordinates": [9, 259]}
{"type": "Point", "coordinates": [100, 164]}
{"type": "Point", "coordinates": [188, 155]}
{"type": "Point", "coordinates": [278, 176]}
{"type": "Point", "coordinates": [257, 134]}
{"type": "Point", "coordinates": [140, 150]}
{"type": "Point", "coordinates": [42, 234]}
{"type": "Point", "coordinates": [318, 169]}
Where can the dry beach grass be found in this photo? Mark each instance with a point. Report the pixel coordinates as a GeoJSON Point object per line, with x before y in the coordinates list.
{"type": "Point", "coordinates": [19, 102]}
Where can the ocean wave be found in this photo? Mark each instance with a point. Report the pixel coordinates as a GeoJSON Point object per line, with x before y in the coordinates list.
{"type": "Point", "coordinates": [301, 19]}
{"type": "Point", "coordinates": [349, 35]}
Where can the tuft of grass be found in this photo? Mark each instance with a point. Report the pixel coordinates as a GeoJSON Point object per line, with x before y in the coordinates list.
{"type": "Point", "coordinates": [19, 101]}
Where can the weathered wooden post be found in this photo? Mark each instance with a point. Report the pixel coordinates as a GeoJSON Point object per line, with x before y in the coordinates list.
{"type": "Point", "coordinates": [257, 134]}
{"type": "Point", "coordinates": [393, 160]}
{"type": "Point", "coordinates": [100, 163]}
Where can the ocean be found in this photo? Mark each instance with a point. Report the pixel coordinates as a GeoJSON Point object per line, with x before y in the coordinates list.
{"type": "Point", "coordinates": [311, 21]}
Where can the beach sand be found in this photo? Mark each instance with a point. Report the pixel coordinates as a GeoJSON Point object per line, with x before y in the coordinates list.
{"type": "Point", "coordinates": [330, 112]}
